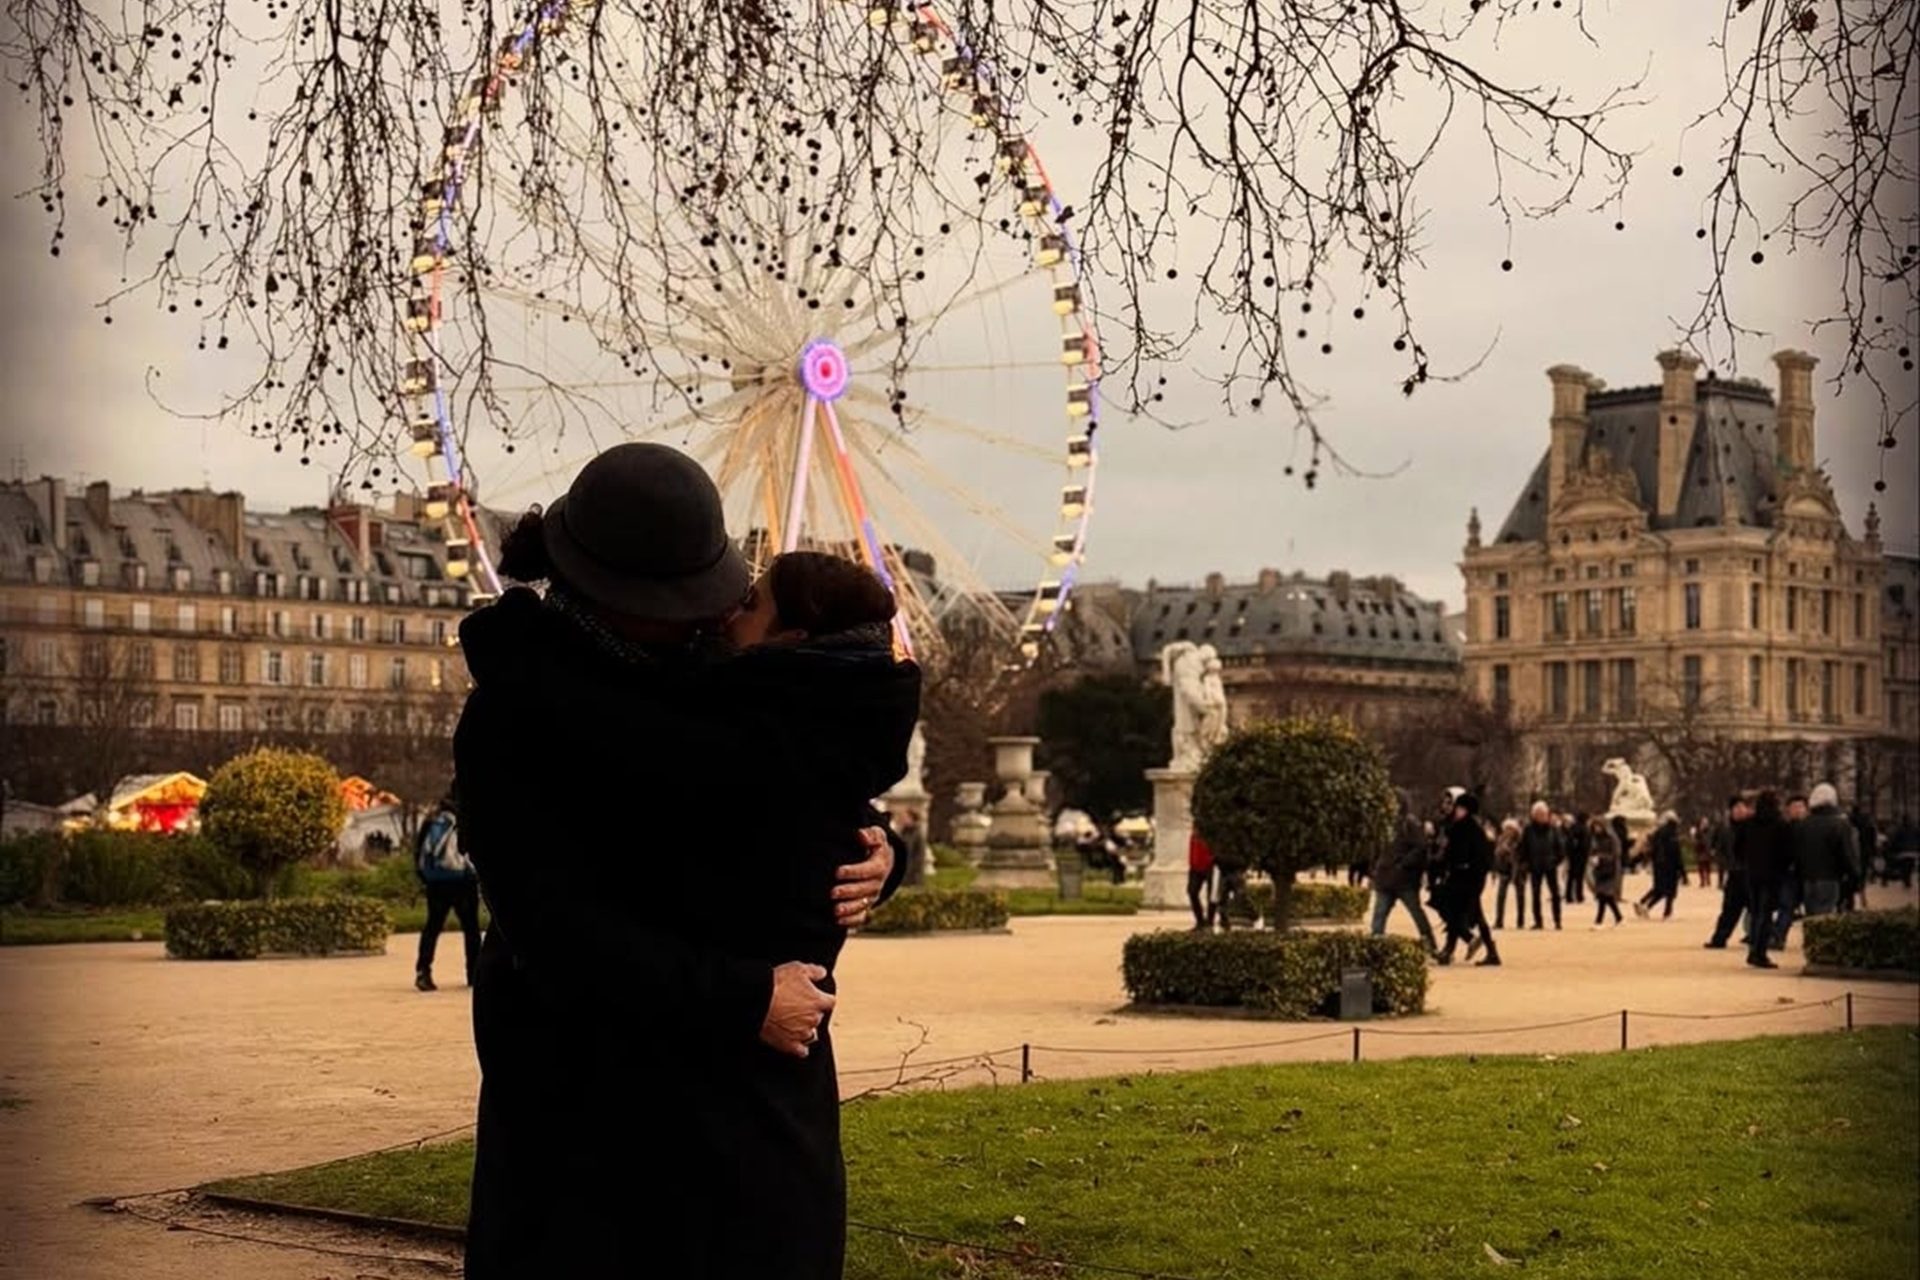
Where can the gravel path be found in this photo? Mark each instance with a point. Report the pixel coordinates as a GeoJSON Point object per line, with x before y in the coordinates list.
{"type": "Point", "coordinates": [135, 1074]}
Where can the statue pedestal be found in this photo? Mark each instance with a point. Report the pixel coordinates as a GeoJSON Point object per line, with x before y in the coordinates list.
{"type": "Point", "coordinates": [970, 825]}
{"type": "Point", "coordinates": [1165, 885]}
{"type": "Point", "coordinates": [903, 800]}
{"type": "Point", "coordinates": [1019, 847]}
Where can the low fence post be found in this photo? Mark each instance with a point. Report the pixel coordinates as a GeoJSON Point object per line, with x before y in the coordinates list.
{"type": "Point", "coordinates": [1026, 1063]}
{"type": "Point", "coordinates": [1356, 1044]}
{"type": "Point", "coordinates": [1849, 1010]}
{"type": "Point", "coordinates": [1623, 1031]}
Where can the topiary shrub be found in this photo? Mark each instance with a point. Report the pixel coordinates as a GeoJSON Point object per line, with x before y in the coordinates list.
{"type": "Point", "coordinates": [292, 926]}
{"type": "Point", "coordinates": [270, 808]}
{"type": "Point", "coordinates": [1289, 795]}
{"type": "Point", "coordinates": [30, 869]}
{"type": "Point", "coordinates": [1883, 940]}
{"type": "Point", "coordinates": [938, 910]}
{"type": "Point", "coordinates": [1314, 901]}
{"type": "Point", "coordinates": [1291, 975]}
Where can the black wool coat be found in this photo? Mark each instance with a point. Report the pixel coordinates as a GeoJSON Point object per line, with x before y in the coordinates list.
{"type": "Point", "coordinates": [631, 1124]}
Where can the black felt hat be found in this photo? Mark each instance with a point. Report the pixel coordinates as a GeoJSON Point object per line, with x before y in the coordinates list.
{"type": "Point", "coordinates": [642, 532]}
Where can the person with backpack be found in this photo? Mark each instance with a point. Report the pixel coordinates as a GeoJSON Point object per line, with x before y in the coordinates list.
{"type": "Point", "coordinates": [451, 885]}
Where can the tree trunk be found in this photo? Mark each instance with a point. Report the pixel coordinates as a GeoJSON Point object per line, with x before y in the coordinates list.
{"type": "Point", "coordinates": [1282, 902]}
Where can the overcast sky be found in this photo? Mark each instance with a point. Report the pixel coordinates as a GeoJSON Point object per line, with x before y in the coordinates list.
{"type": "Point", "coordinates": [81, 397]}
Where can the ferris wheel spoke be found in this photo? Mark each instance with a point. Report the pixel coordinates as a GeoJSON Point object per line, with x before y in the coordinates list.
{"type": "Point", "coordinates": [962, 301]}
{"type": "Point", "coordinates": [918, 417]}
{"type": "Point", "coordinates": [870, 442]}
{"type": "Point", "coordinates": [985, 367]}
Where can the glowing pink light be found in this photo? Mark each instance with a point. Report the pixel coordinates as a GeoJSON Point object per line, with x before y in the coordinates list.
{"type": "Point", "coordinates": [823, 370]}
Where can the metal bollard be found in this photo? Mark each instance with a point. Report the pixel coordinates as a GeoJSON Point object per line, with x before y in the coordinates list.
{"type": "Point", "coordinates": [1849, 1010]}
{"type": "Point", "coordinates": [1026, 1063]}
{"type": "Point", "coordinates": [1623, 1031]}
{"type": "Point", "coordinates": [1356, 1044]}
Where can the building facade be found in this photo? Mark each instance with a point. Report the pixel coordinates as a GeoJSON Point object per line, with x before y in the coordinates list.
{"type": "Point", "coordinates": [184, 611]}
{"type": "Point", "coordinates": [1677, 570]}
{"type": "Point", "coordinates": [1365, 648]}
{"type": "Point", "coordinates": [1900, 639]}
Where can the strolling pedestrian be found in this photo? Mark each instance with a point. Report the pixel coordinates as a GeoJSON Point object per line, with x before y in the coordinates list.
{"type": "Point", "coordinates": [1200, 895]}
{"type": "Point", "coordinates": [1824, 851]}
{"type": "Point", "coordinates": [451, 886]}
{"type": "Point", "coordinates": [1668, 868]}
{"type": "Point", "coordinates": [1468, 856]}
{"type": "Point", "coordinates": [1396, 876]}
{"type": "Point", "coordinates": [1579, 841]}
{"type": "Point", "coordinates": [1606, 871]}
{"type": "Point", "coordinates": [1541, 852]}
{"type": "Point", "coordinates": [1730, 859]}
{"type": "Point", "coordinates": [1506, 866]}
{"type": "Point", "coordinates": [1769, 861]}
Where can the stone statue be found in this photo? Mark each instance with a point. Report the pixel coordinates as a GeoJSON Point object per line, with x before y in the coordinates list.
{"type": "Point", "coordinates": [915, 783]}
{"type": "Point", "coordinates": [1192, 671]}
{"type": "Point", "coordinates": [1632, 799]}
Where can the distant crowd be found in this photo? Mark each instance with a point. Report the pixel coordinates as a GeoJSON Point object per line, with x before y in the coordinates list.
{"type": "Point", "coordinates": [1776, 858]}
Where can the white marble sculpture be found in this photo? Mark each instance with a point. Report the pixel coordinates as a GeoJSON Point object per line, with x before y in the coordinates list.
{"type": "Point", "coordinates": [1192, 671]}
{"type": "Point", "coordinates": [1632, 798]}
{"type": "Point", "coordinates": [916, 780]}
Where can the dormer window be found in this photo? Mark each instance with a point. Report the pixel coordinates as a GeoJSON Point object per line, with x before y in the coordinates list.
{"type": "Point", "coordinates": [127, 549]}
{"type": "Point", "coordinates": [89, 573]}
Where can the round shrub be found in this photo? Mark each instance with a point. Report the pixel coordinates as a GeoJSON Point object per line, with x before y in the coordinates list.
{"type": "Point", "coordinates": [1289, 795]}
{"type": "Point", "coordinates": [934, 910]}
{"type": "Point", "coordinates": [292, 926]}
{"type": "Point", "coordinates": [270, 808]}
{"type": "Point", "coordinates": [1292, 975]}
{"type": "Point", "coordinates": [1888, 941]}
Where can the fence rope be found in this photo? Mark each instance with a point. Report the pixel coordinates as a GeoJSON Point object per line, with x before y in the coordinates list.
{"type": "Point", "coordinates": [914, 1064]}
{"type": "Point", "coordinates": [1741, 1013]}
{"type": "Point", "coordinates": [1197, 1048]}
{"type": "Point", "coordinates": [1497, 1031]}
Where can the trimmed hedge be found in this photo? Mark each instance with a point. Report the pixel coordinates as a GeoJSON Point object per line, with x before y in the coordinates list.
{"type": "Point", "coordinates": [116, 869]}
{"type": "Point", "coordinates": [933, 910]}
{"type": "Point", "coordinates": [1888, 940]}
{"type": "Point", "coordinates": [30, 869]}
{"type": "Point", "coordinates": [295, 926]}
{"type": "Point", "coordinates": [1286, 975]}
{"type": "Point", "coordinates": [1315, 901]}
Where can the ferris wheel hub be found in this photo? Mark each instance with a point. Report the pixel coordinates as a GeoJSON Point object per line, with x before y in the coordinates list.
{"type": "Point", "coordinates": [822, 369]}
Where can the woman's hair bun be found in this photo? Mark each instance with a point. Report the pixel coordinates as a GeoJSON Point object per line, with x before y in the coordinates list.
{"type": "Point", "coordinates": [523, 552]}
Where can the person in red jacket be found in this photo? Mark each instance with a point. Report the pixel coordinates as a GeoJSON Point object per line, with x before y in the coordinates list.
{"type": "Point", "coordinates": [1200, 883]}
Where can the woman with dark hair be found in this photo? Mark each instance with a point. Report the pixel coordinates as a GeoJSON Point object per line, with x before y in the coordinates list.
{"type": "Point", "coordinates": [657, 1091]}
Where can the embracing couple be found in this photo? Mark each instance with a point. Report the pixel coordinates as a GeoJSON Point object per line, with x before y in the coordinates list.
{"type": "Point", "coordinates": [664, 780]}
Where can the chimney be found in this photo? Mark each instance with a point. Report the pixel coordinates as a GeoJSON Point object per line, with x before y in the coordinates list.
{"type": "Point", "coordinates": [1678, 414]}
{"type": "Point", "coordinates": [1793, 420]}
{"type": "Point", "coordinates": [100, 504]}
{"type": "Point", "coordinates": [356, 527]}
{"type": "Point", "coordinates": [1216, 584]}
{"type": "Point", "coordinates": [50, 501]}
{"type": "Point", "coordinates": [1269, 581]}
{"type": "Point", "coordinates": [1569, 426]}
{"type": "Point", "coordinates": [224, 515]}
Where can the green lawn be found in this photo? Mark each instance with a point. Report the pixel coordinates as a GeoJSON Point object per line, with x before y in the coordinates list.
{"type": "Point", "coordinates": [1772, 1157]}
{"type": "Point", "coordinates": [129, 924]}
{"type": "Point", "coordinates": [1100, 896]}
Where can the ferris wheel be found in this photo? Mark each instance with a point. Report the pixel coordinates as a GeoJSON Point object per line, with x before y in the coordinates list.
{"type": "Point", "coordinates": [871, 392]}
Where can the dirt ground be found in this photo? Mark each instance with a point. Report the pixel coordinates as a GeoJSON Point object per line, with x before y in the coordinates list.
{"type": "Point", "coordinates": [123, 1073]}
